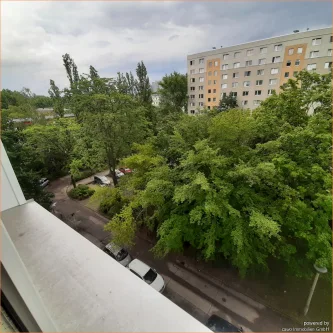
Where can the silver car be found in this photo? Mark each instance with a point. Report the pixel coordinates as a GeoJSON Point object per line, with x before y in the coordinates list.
{"type": "Point", "coordinates": [118, 253]}
{"type": "Point", "coordinates": [43, 182]}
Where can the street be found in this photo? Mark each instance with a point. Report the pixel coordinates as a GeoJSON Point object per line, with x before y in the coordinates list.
{"type": "Point", "coordinates": [196, 292]}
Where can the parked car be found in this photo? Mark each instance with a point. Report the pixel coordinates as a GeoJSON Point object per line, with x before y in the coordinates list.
{"type": "Point", "coordinates": [101, 180]}
{"type": "Point", "coordinates": [125, 170]}
{"type": "Point", "coordinates": [218, 324]}
{"type": "Point", "coordinates": [118, 253]}
{"type": "Point", "coordinates": [44, 182]}
{"type": "Point", "coordinates": [119, 173]}
{"type": "Point", "coordinates": [147, 274]}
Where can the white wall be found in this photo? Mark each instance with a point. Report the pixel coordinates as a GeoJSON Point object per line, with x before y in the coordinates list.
{"type": "Point", "coordinates": [11, 193]}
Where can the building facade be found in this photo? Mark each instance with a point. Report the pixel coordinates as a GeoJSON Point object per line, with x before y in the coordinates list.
{"type": "Point", "coordinates": [252, 71]}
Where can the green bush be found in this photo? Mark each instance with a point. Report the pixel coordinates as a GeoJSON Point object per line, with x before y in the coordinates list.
{"type": "Point", "coordinates": [112, 202]}
{"type": "Point", "coordinates": [81, 192]}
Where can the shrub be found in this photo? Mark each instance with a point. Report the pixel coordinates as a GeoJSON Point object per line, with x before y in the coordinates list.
{"type": "Point", "coordinates": [111, 200]}
{"type": "Point", "coordinates": [81, 192]}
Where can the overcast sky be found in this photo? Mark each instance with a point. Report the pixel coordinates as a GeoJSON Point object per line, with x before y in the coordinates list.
{"type": "Point", "coordinates": [114, 36]}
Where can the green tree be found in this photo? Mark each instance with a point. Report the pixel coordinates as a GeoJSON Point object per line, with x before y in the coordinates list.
{"type": "Point", "coordinates": [239, 192]}
{"type": "Point", "coordinates": [28, 178]}
{"type": "Point", "coordinates": [227, 102]}
{"type": "Point", "coordinates": [58, 101]}
{"type": "Point", "coordinates": [115, 121]}
{"type": "Point", "coordinates": [143, 87]}
{"type": "Point", "coordinates": [173, 91]}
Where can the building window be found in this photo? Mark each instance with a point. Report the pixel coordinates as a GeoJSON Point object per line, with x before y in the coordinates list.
{"type": "Point", "coordinates": [201, 87]}
{"type": "Point", "coordinates": [216, 63]}
{"type": "Point", "coordinates": [245, 93]}
{"type": "Point", "coordinates": [214, 81]}
{"type": "Point", "coordinates": [209, 91]}
{"type": "Point", "coordinates": [311, 67]}
{"type": "Point", "coordinates": [191, 62]}
{"type": "Point", "coordinates": [236, 64]}
{"type": "Point", "coordinates": [244, 103]}
{"type": "Point", "coordinates": [276, 59]}
{"type": "Point", "coordinates": [192, 88]}
{"type": "Point", "coordinates": [314, 54]}
{"type": "Point", "coordinates": [192, 104]}
{"type": "Point", "coordinates": [236, 54]}
{"type": "Point", "coordinates": [278, 47]}
{"type": "Point", "coordinates": [235, 84]}
{"type": "Point", "coordinates": [291, 51]}
{"type": "Point", "coordinates": [224, 76]}
{"type": "Point", "coordinates": [316, 41]}
{"type": "Point", "coordinates": [225, 56]}
{"type": "Point", "coordinates": [249, 52]}
{"type": "Point", "coordinates": [234, 94]}
{"type": "Point", "coordinates": [262, 61]}
{"type": "Point", "coordinates": [288, 63]}
{"type": "Point", "coordinates": [224, 86]}
{"type": "Point", "coordinates": [208, 99]}
{"type": "Point", "coordinates": [214, 91]}
{"type": "Point", "coordinates": [260, 72]}
{"type": "Point", "coordinates": [201, 70]}
{"type": "Point", "coordinates": [300, 50]}
{"type": "Point", "coordinates": [210, 64]}
{"type": "Point", "coordinates": [248, 63]}
{"type": "Point", "coordinates": [286, 74]}
{"type": "Point", "coordinates": [246, 83]}
{"type": "Point", "coordinates": [270, 92]}
{"type": "Point", "coordinates": [295, 73]}
{"type": "Point", "coordinates": [192, 71]}
{"type": "Point", "coordinates": [263, 50]}
{"type": "Point", "coordinates": [331, 39]}
{"type": "Point", "coordinates": [235, 75]}
{"type": "Point", "coordinates": [297, 62]}
{"type": "Point", "coordinates": [192, 96]}
{"type": "Point", "coordinates": [274, 71]}
{"type": "Point", "coordinates": [200, 103]}
{"type": "Point", "coordinates": [247, 73]}
{"type": "Point", "coordinates": [328, 64]}
{"type": "Point", "coordinates": [225, 67]}
{"type": "Point", "coordinates": [208, 107]}
{"type": "Point", "coordinates": [272, 82]}
{"type": "Point", "coordinates": [215, 73]}
{"type": "Point", "coordinates": [257, 92]}
{"type": "Point", "coordinates": [192, 111]}
{"type": "Point", "coordinates": [210, 73]}
{"type": "Point", "coordinates": [259, 82]}
{"type": "Point", "coordinates": [201, 79]}
{"type": "Point", "coordinates": [329, 52]}
{"type": "Point", "coordinates": [256, 102]}
{"type": "Point", "coordinates": [224, 95]}
{"type": "Point", "coordinates": [201, 61]}
{"type": "Point", "coordinates": [209, 82]}
{"type": "Point", "coordinates": [201, 95]}
{"type": "Point", "coordinates": [193, 80]}
{"type": "Point", "coordinates": [214, 99]}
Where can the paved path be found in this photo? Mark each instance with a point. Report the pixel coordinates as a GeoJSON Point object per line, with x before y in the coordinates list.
{"type": "Point", "coordinates": [198, 294]}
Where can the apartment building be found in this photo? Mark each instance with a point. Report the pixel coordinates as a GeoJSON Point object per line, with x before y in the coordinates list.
{"type": "Point", "coordinates": [252, 71]}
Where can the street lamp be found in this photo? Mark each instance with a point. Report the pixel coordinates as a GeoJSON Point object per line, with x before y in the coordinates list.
{"type": "Point", "coordinates": [319, 270]}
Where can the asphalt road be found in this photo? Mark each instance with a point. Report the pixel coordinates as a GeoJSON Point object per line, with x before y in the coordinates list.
{"type": "Point", "coordinates": [198, 294]}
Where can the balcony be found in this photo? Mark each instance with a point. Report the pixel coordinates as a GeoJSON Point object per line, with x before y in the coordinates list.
{"type": "Point", "coordinates": [57, 281]}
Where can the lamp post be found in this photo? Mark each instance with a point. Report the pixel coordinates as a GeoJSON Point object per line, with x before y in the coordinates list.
{"type": "Point", "coordinates": [319, 270]}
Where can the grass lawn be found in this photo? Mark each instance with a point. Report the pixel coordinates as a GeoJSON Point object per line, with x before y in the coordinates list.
{"type": "Point", "coordinates": [92, 204]}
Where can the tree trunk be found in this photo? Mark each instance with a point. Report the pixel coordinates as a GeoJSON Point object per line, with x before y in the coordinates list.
{"type": "Point", "coordinates": [114, 177]}
{"type": "Point", "coordinates": [73, 181]}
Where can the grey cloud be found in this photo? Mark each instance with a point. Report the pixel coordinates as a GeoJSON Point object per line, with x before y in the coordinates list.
{"type": "Point", "coordinates": [114, 36]}
{"type": "Point", "coordinates": [173, 37]}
